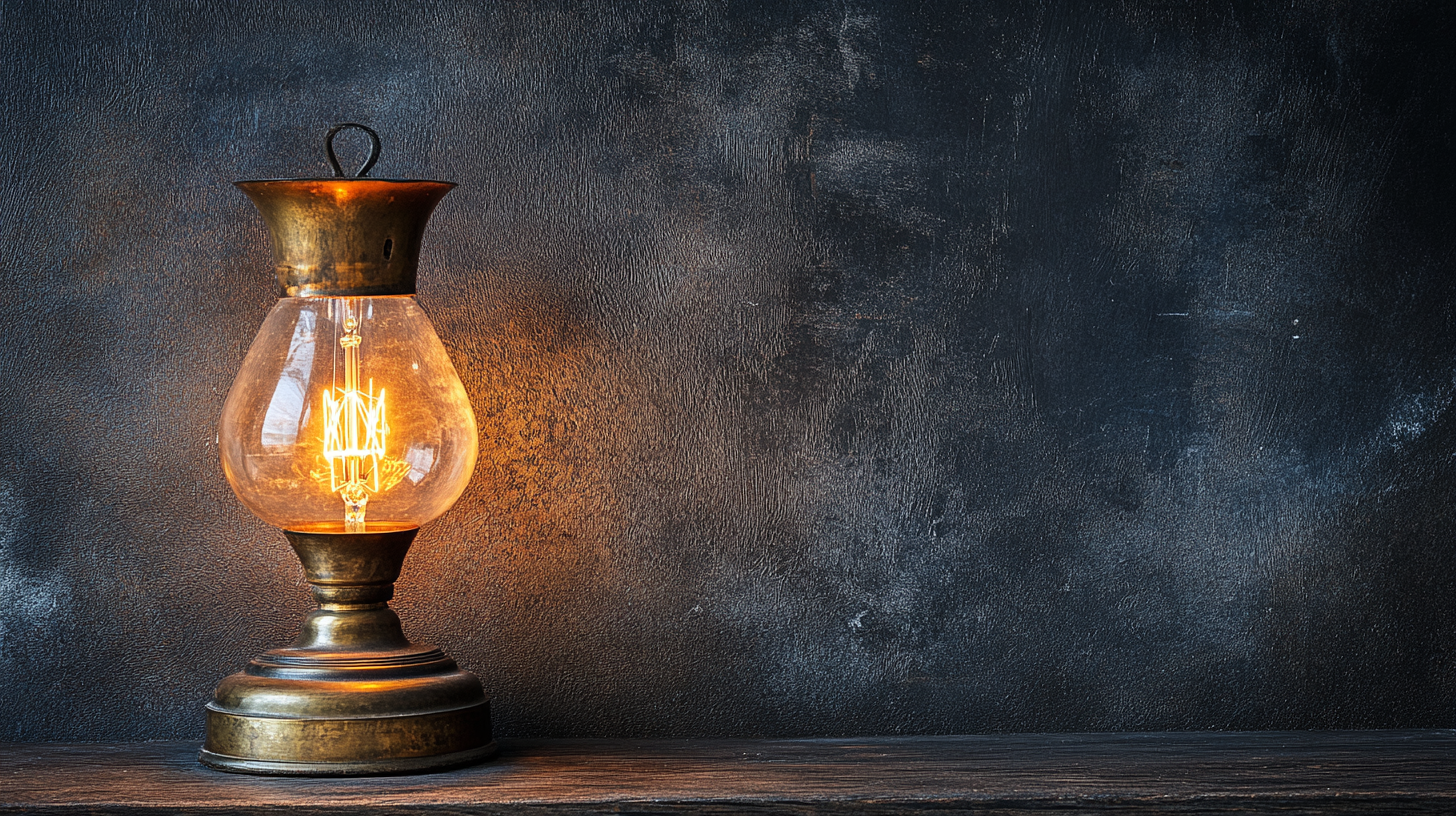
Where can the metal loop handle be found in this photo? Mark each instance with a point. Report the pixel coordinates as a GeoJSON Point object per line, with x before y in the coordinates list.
{"type": "Point", "coordinates": [373, 149]}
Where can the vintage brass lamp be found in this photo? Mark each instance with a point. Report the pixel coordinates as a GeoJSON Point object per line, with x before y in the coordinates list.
{"type": "Point", "coordinates": [348, 428]}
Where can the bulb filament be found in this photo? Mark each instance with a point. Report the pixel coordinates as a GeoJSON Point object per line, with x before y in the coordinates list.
{"type": "Point", "coordinates": [355, 431]}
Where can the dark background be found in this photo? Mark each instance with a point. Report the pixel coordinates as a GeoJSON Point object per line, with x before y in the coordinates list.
{"type": "Point", "coordinates": [842, 367]}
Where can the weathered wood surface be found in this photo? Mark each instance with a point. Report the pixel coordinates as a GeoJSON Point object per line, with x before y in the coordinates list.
{"type": "Point", "coordinates": [1299, 772]}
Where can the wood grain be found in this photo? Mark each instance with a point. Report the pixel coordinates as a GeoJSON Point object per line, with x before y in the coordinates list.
{"type": "Point", "coordinates": [1284, 772]}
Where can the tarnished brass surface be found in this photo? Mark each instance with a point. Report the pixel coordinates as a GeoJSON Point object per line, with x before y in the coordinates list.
{"type": "Point", "coordinates": [360, 566]}
{"type": "Point", "coordinates": [378, 767]}
{"type": "Point", "coordinates": [342, 237]}
{"type": "Point", "coordinates": [351, 695]}
{"type": "Point", "coordinates": [346, 746]}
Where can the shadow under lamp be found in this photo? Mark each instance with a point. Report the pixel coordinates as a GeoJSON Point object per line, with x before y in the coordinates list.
{"type": "Point", "coordinates": [348, 428]}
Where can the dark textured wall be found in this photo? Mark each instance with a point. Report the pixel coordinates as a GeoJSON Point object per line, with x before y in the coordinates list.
{"type": "Point", "coordinates": [842, 367]}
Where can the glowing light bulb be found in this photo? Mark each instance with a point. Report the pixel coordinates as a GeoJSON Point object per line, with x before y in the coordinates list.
{"type": "Point", "coordinates": [347, 417]}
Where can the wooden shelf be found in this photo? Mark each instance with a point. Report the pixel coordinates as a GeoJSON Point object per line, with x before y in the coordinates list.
{"type": "Point", "coordinates": [1283, 772]}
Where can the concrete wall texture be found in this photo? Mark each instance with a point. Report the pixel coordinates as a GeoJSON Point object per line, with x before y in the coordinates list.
{"type": "Point", "coordinates": [841, 367]}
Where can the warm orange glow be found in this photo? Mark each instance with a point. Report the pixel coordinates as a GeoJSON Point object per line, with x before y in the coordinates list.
{"type": "Point", "coordinates": [355, 432]}
{"type": "Point", "coordinates": [348, 399]}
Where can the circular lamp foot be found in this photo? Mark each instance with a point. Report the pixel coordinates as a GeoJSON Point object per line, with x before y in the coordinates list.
{"type": "Point", "coordinates": [351, 696]}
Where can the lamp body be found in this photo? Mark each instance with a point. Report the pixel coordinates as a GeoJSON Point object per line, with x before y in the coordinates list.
{"type": "Point", "coordinates": [348, 428]}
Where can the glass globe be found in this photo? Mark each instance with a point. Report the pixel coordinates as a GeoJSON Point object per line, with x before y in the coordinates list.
{"type": "Point", "coordinates": [347, 417]}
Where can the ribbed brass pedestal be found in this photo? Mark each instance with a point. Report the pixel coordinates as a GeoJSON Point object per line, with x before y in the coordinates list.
{"type": "Point", "coordinates": [351, 696]}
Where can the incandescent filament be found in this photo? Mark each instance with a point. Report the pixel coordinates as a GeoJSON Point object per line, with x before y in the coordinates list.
{"type": "Point", "coordinates": [355, 432]}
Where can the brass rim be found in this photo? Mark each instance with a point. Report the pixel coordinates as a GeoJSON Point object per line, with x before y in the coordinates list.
{"type": "Point", "coordinates": [266, 767]}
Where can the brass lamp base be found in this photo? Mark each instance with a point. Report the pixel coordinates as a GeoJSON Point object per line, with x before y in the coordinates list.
{"type": "Point", "coordinates": [351, 696]}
